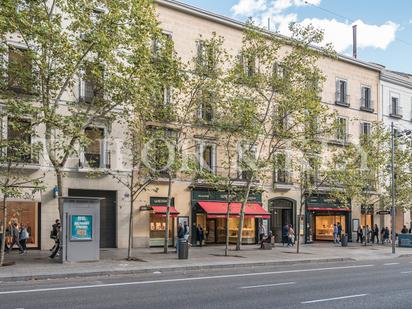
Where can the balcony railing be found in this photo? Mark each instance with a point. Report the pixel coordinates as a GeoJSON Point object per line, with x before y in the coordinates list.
{"type": "Point", "coordinates": [95, 160]}
{"type": "Point", "coordinates": [282, 177]}
{"type": "Point", "coordinates": [342, 99]}
{"type": "Point", "coordinates": [367, 105]}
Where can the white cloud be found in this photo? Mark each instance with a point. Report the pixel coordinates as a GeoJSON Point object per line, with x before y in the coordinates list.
{"type": "Point", "coordinates": [410, 21]}
{"type": "Point", "coordinates": [335, 32]}
{"type": "Point", "coordinates": [340, 34]}
{"type": "Point", "coordinates": [249, 7]}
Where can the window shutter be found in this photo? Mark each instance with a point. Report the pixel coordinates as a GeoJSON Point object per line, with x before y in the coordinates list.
{"type": "Point", "coordinates": [337, 86]}
{"type": "Point", "coordinates": [200, 52]}
{"type": "Point", "coordinates": [214, 159]}
{"type": "Point", "coordinates": [345, 89]}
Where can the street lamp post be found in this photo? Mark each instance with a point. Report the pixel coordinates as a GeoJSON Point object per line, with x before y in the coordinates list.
{"type": "Point", "coordinates": [393, 209]}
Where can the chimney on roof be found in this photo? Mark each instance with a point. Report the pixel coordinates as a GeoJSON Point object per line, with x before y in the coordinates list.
{"type": "Point", "coordinates": [355, 41]}
{"type": "Point", "coordinates": [268, 23]}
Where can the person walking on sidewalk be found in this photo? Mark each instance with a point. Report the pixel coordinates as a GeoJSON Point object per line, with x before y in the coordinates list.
{"type": "Point", "coordinates": [24, 235]}
{"type": "Point", "coordinates": [53, 233]}
{"type": "Point", "coordinates": [180, 236]}
{"type": "Point", "coordinates": [262, 231]}
{"type": "Point", "coordinates": [339, 232]}
{"type": "Point", "coordinates": [285, 234]}
{"type": "Point", "coordinates": [375, 234]}
{"type": "Point", "coordinates": [200, 235]}
{"type": "Point", "coordinates": [335, 234]}
{"type": "Point", "coordinates": [56, 248]}
{"type": "Point", "coordinates": [15, 238]}
{"type": "Point", "coordinates": [359, 234]}
{"type": "Point", "coordinates": [386, 235]}
{"type": "Point", "coordinates": [404, 230]}
{"type": "Point", "coordinates": [291, 236]}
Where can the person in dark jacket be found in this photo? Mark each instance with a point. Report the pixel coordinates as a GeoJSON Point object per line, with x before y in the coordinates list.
{"type": "Point", "coordinates": [339, 231]}
{"type": "Point", "coordinates": [404, 230]}
{"type": "Point", "coordinates": [200, 234]}
{"type": "Point", "coordinates": [180, 236]}
{"type": "Point", "coordinates": [57, 248]}
{"type": "Point", "coordinates": [386, 235]}
{"type": "Point", "coordinates": [15, 238]}
{"type": "Point", "coordinates": [375, 234]}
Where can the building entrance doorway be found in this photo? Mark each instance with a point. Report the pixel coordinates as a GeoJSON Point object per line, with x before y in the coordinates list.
{"type": "Point", "coordinates": [281, 214]}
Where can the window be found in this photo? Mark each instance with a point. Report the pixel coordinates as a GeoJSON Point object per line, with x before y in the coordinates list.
{"type": "Point", "coordinates": [366, 102]}
{"type": "Point", "coordinates": [281, 174]}
{"type": "Point", "coordinates": [281, 121]}
{"type": "Point", "coordinates": [19, 140]}
{"type": "Point", "coordinates": [91, 84]}
{"type": "Point", "coordinates": [95, 154]}
{"type": "Point", "coordinates": [395, 109]}
{"type": "Point", "coordinates": [159, 44]}
{"type": "Point", "coordinates": [365, 130]}
{"type": "Point", "coordinates": [206, 112]}
{"type": "Point", "coordinates": [341, 133]}
{"type": "Point", "coordinates": [207, 157]}
{"type": "Point", "coordinates": [249, 65]}
{"type": "Point", "coordinates": [342, 97]}
{"type": "Point", "coordinates": [247, 156]}
{"type": "Point", "coordinates": [279, 71]}
{"type": "Point", "coordinates": [206, 58]}
{"type": "Point", "coordinates": [20, 76]}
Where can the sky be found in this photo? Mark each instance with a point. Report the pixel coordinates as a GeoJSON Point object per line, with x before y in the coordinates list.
{"type": "Point", "coordinates": [384, 26]}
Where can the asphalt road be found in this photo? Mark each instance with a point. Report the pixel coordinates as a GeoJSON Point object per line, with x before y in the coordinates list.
{"type": "Point", "coordinates": [371, 284]}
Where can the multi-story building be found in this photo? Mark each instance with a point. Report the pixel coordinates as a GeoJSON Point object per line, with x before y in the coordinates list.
{"type": "Point", "coordinates": [396, 94]}
{"type": "Point", "coordinates": [351, 89]}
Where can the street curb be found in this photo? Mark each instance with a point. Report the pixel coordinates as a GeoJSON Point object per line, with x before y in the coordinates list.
{"type": "Point", "coordinates": [170, 269]}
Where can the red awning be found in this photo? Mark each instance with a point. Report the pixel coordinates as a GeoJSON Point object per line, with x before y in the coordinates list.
{"type": "Point", "coordinates": [336, 209]}
{"type": "Point", "coordinates": [161, 211]}
{"type": "Point", "coordinates": [219, 210]}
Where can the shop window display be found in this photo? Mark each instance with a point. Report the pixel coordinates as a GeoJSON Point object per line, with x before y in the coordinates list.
{"type": "Point", "coordinates": [324, 226]}
{"type": "Point", "coordinates": [26, 213]}
{"type": "Point", "coordinates": [158, 226]}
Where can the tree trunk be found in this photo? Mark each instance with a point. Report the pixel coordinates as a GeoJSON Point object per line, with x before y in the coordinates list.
{"type": "Point", "coordinates": [130, 243]}
{"type": "Point", "coordinates": [227, 224]}
{"type": "Point", "coordinates": [59, 176]}
{"type": "Point", "coordinates": [169, 198]}
{"type": "Point", "coordinates": [3, 236]}
{"type": "Point", "coordinates": [298, 227]}
{"type": "Point", "coordinates": [242, 215]}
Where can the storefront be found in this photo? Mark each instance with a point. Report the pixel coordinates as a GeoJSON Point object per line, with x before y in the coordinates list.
{"type": "Point", "coordinates": [367, 215]}
{"type": "Point", "coordinates": [322, 213]}
{"type": "Point", "coordinates": [27, 214]}
{"type": "Point", "coordinates": [158, 208]}
{"type": "Point", "coordinates": [210, 211]}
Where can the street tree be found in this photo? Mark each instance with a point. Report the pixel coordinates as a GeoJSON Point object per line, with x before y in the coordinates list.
{"type": "Point", "coordinates": [82, 60]}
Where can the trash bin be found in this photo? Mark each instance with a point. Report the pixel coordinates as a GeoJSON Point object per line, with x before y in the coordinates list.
{"type": "Point", "coordinates": [344, 240]}
{"type": "Point", "coordinates": [183, 249]}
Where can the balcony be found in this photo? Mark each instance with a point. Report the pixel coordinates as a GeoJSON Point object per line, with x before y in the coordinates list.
{"type": "Point", "coordinates": [342, 99]}
{"type": "Point", "coordinates": [367, 105]}
{"type": "Point", "coordinates": [94, 161]}
{"type": "Point", "coordinates": [27, 161]}
{"type": "Point", "coordinates": [282, 180]}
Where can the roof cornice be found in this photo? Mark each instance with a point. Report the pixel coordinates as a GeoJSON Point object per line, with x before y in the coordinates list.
{"type": "Point", "coordinates": [230, 22]}
{"type": "Point", "coordinates": [397, 79]}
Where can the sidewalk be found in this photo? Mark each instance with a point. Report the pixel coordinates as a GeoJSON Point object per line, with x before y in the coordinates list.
{"type": "Point", "coordinates": [37, 265]}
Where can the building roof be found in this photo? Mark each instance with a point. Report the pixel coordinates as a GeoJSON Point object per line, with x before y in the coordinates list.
{"type": "Point", "coordinates": [230, 22]}
{"type": "Point", "coordinates": [398, 78]}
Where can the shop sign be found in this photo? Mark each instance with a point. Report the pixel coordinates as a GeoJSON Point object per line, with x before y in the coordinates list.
{"type": "Point", "coordinates": [161, 201]}
{"type": "Point", "coordinates": [202, 195]}
{"type": "Point", "coordinates": [81, 227]}
{"type": "Point", "coordinates": [383, 212]}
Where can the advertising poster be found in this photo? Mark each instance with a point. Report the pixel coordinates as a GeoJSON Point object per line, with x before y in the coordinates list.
{"type": "Point", "coordinates": [81, 227]}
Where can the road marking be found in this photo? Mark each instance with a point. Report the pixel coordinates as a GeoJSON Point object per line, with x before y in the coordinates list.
{"type": "Point", "coordinates": [184, 279]}
{"type": "Point", "coordinates": [267, 285]}
{"type": "Point", "coordinates": [406, 272]}
{"type": "Point", "coordinates": [330, 299]}
{"type": "Point", "coordinates": [388, 264]}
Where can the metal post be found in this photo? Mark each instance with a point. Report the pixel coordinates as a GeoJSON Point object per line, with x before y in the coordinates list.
{"type": "Point", "coordinates": [393, 209]}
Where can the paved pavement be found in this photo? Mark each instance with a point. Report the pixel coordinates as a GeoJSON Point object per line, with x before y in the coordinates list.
{"type": "Point", "coordinates": [37, 265]}
{"type": "Point", "coordinates": [361, 284]}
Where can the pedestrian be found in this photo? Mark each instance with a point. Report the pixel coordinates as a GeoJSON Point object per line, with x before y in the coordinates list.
{"type": "Point", "coordinates": [386, 235]}
{"type": "Point", "coordinates": [56, 248]}
{"type": "Point", "coordinates": [24, 235]}
{"type": "Point", "coordinates": [335, 233]}
{"type": "Point", "coordinates": [262, 231]}
{"type": "Point", "coordinates": [180, 236]}
{"type": "Point", "coordinates": [404, 230]}
{"type": "Point", "coordinates": [53, 233]}
{"type": "Point", "coordinates": [382, 235]}
{"type": "Point", "coordinates": [285, 233]}
{"type": "Point", "coordinates": [200, 234]}
{"type": "Point", "coordinates": [339, 232]}
{"type": "Point", "coordinates": [267, 239]}
{"type": "Point", "coordinates": [376, 234]}
{"type": "Point", "coordinates": [186, 231]}
{"type": "Point", "coordinates": [291, 236]}
{"type": "Point", "coordinates": [366, 233]}
{"type": "Point", "coordinates": [359, 234]}
{"type": "Point", "coordinates": [15, 238]}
